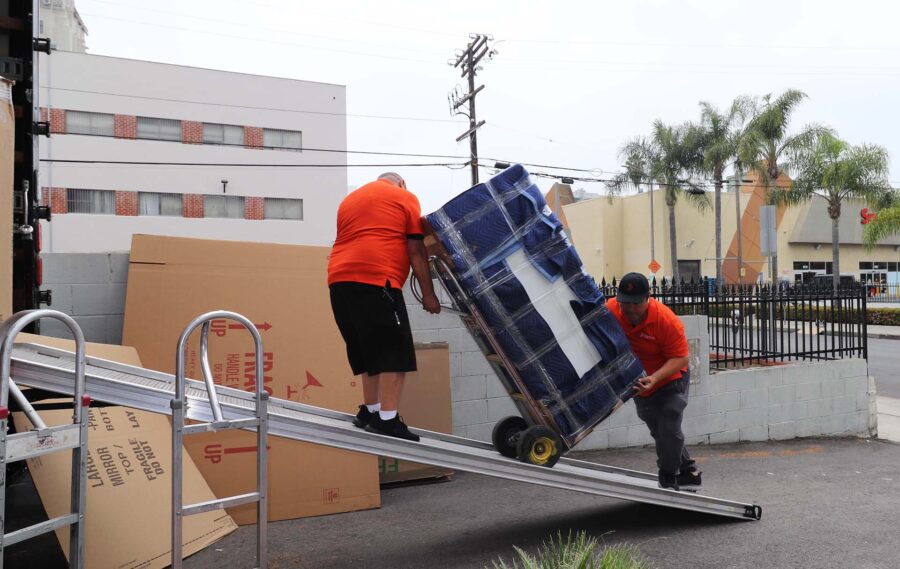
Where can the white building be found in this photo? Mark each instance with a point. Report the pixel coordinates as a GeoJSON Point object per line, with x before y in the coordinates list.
{"type": "Point", "coordinates": [214, 154]}
{"type": "Point", "coordinates": [61, 23]}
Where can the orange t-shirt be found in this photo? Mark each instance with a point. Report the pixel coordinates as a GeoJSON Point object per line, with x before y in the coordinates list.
{"type": "Point", "coordinates": [656, 340]}
{"type": "Point", "coordinates": [373, 224]}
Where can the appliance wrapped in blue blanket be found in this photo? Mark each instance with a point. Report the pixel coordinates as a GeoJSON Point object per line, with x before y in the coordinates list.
{"type": "Point", "coordinates": [513, 258]}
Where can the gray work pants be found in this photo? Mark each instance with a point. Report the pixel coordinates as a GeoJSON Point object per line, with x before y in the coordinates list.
{"type": "Point", "coordinates": [662, 412]}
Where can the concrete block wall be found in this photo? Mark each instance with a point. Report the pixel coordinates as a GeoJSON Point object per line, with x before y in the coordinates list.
{"type": "Point", "coordinates": [91, 288]}
{"type": "Point", "coordinates": [834, 398]}
{"type": "Point", "coordinates": [772, 403]}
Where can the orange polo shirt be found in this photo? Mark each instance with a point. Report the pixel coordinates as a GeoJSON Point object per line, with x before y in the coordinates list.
{"type": "Point", "coordinates": [656, 340]}
{"type": "Point", "coordinates": [373, 224]}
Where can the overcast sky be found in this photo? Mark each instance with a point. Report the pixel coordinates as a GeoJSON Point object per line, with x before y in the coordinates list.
{"type": "Point", "coordinates": [571, 82]}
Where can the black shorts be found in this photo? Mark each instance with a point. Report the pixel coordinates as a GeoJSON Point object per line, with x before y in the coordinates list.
{"type": "Point", "coordinates": [373, 321]}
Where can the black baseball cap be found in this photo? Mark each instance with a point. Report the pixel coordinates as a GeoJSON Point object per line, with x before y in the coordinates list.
{"type": "Point", "coordinates": [633, 287]}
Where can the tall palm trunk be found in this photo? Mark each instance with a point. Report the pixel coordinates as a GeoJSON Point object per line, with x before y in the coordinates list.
{"type": "Point", "coordinates": [718, 180]}
{"type": "Point", "coordinates": [834, 212]}
{"type": "Point", "coordinates": [673, 244]}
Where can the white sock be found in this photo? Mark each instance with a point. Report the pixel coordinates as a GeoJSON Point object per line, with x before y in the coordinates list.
{"type": "Point", "coordinates": [374, 408]}
{"type": "Point", "coordinates": [387, 415]}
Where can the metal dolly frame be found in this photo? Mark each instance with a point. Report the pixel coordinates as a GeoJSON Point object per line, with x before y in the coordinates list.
{"type": "Point", "coordinates": [535, 436]}
{"type": "Point", "coordinates": [41, 439]}
{"type": "Point", "coordinates": [260, 422]}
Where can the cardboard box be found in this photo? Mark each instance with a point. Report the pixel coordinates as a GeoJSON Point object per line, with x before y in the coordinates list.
{"type": "Point", "coordinates": [129, 483]}
{"type": "Point", "coordinates": [281, 288]}
{"type": "Point", "coordinates": [7, 155]}
{"type": "Point", "coordinates": [425, 403]}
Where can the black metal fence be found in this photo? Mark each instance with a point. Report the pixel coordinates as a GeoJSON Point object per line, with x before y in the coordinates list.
{"type": "Point", "coordinates": [764, 324]}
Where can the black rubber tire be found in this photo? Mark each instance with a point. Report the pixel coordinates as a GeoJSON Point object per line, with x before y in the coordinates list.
{"type": "Point", "coordinates": [506, 435]}
{"type": "Point", "coordinates": [539, 445]}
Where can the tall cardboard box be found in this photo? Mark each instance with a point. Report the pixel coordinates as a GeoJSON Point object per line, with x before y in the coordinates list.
{"type": "Point", "coordinates": [129, 484]}
{"type": "Point", "coordinates": [7, 154]}
{"type": "Point", "coordinates": [281, 288]}
{"type": "Point", "coordinates": [425, 404]}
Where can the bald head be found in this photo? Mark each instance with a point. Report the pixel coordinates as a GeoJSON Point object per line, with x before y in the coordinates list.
{"type": "Point", "coordinates": [393, 178]}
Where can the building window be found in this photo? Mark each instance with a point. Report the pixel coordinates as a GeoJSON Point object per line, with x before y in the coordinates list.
{"type": "Point", "coordinates": [228, 134]}
{"type": "Point", "coordinates": [152, 203]}
{"type": "Point", "coordinates": [158, 129]}
{"type": "Point", "coordinates": [689, 271]}
{"type": "Point", "coordinates": [865, 266]}
{"type": "Point", "coordinates": [91, 201]}
{"type": "Point", "coordinates": [223, 206]}
{"type": "Point", "coordinates": [282, 139]}
{"type": "Point", "coordinates": [282, 208]}
{"type": "Point", "coordinates": [80, 122]}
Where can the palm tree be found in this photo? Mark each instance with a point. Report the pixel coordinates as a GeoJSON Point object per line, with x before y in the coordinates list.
{"type": "Point", "coordinates": [721, 136]}
{"type": "Point", "coordinates": [669, 158]}
{"type": "Point", "coordinates": [834, 170]}
{"type": "Point", "coordinates": [767, 140]}
{"type": "Point", "coordinates": [638, 162]}
{"type": "Point", "coordinates": [887, 222]}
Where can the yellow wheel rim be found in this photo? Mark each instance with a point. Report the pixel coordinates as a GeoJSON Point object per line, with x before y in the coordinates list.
{"type": "Point", "coordinates": [542, 450]}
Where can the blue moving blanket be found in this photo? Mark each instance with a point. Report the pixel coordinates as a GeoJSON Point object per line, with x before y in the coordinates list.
{"type": "Point", "coordinates": [512, 256]}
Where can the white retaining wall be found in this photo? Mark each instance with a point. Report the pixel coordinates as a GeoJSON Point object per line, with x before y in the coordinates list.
{"type": "Point", "coordinates": [777, 402]}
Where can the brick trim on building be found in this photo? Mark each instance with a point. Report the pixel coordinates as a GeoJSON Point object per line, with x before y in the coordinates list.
{"type": "Point", "coordinates": [254, 208]}
{"type": "Point", "coordinates": [125, 126]}
{"type": "Point", "coordinates": [57, 198]}
{"type": "Point", "coordinates": [126, 203]}
{"type": "Point", "coordinates": [253, 137]}
{"type": "Point", "coordinates": [57, 121]}
{"type": "Point", "coordinates": [191, 132]}
{"type": "Point", "coordinates": [193, 205]}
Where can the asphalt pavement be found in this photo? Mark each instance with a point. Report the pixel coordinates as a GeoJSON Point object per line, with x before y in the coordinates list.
{"type": "Point", "coordinates": [827, 503]}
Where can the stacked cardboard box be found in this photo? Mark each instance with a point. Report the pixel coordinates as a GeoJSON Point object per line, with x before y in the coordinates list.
{"type": "Point", "coordinates": [129, 483]}
{"type": "Point", "coordinates": [281, 288]}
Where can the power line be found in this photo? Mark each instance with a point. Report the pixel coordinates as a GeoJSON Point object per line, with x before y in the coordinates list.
{"type": "Point", "coordinates": [252, 107]}
{"type": "Point", "coordinates": [247, 165]}
{"type": "Point", "coordinates": [261, 40]}
{"type": "Point", "coordinates": [304, 149]}
{"type": "Point", "coordinates": [247, 26]}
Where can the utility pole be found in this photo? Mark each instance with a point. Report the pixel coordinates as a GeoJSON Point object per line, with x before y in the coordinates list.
{"type": "Point", "coordinates": [467, 60]}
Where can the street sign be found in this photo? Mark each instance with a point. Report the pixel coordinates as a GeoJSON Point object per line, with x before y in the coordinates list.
{"type": "Point", "coordinates": [654, 266]}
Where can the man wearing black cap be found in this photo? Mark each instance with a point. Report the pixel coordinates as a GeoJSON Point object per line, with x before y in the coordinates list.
{"type": "Point", "coordinates": [657, 338]}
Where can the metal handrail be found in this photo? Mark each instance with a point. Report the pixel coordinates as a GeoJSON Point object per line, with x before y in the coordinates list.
{"type": "Point", "coordinates": [179, 510]}
{"type": "Point", "coordinates": [75, 519]}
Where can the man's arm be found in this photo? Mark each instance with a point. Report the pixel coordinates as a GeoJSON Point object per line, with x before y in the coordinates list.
{"type": "Point", "coordinates": [671, 366]}
{"type": "Point", "coordinates": [418, 260]}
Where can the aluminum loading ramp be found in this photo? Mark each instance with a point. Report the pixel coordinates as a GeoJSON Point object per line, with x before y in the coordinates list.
{"type": "Point", "coordinates": [53, 370]}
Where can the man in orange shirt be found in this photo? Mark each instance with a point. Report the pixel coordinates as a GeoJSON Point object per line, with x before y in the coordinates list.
{"type": "Point", "coordinates": [379, 237]}
{"type": "Point", "coordinates": [657, 338]}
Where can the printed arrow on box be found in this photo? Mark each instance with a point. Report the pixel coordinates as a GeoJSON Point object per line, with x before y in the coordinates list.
{"type": "Point", "coordinates": [261, 327]}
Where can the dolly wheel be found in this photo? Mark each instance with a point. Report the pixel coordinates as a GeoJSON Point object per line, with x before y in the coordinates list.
{"type": "Point", "coordinates": [506, 435]}
{"type": "Point", "coordinates": [539, 445]}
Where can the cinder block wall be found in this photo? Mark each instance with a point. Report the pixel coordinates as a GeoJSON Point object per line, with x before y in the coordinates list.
{"type": "Point", "coordinates": [778, 402]}
{"type": "Point", "coordinates": [91, 288]}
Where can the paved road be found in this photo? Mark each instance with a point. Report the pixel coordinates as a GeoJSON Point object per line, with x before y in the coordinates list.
{"type": "Point", "coordinates": [884, 366]}
{"type": "Point", "coordinates": [826, 504]}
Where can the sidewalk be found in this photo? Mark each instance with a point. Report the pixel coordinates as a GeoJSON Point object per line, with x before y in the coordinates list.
{"type": "Point", "coordinates": [883, 332]}
{"type": "Point", "coordinates": [888, 418]}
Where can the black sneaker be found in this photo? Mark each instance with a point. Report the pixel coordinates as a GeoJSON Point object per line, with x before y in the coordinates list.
{"type": "Point", "coordinates": [690, 479]}
{"type": "Point", "coordinates": [363, 418]}
{"type": "Point", "coordinates": [392, 427]}
{"type": "Point", "coordinates": [669, 481]}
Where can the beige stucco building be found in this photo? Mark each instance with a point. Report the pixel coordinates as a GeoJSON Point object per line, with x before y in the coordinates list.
{"type": "Point", "coordinates": [612, 236]}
